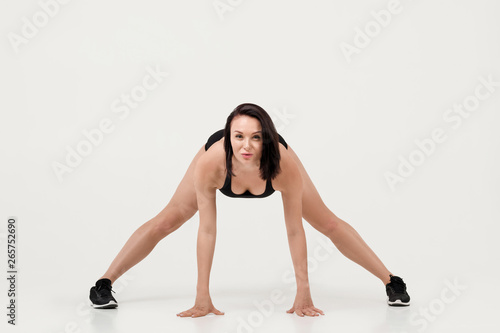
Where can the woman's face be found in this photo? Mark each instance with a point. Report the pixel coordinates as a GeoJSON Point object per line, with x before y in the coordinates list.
{"type": "Point", "coordinates": [246, 139]}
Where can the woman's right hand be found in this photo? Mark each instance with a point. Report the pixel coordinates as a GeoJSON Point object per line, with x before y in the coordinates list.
{"type": "Point", "coordinates": [202, 307]}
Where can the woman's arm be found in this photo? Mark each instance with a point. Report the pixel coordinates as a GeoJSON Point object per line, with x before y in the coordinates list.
{"type": "Point", "coordinates": [205, 195]}
{"type": "Point", "coordinates": [291, 193]}
{"type": "Point", "coordinates": [206, 233]}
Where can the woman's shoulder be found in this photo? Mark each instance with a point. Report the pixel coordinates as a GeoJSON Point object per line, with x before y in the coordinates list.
{"type": "Point", "coordinates": [211, 164]}
{"type": "Point", "coordinates": [289, 173]}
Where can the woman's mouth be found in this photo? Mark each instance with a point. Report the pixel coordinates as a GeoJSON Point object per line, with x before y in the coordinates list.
{"type": "Point", "coordinates": [247, 155]}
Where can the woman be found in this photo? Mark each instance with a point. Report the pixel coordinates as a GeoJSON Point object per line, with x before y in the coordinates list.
{"type": "Point", "coordinates": [248, 159]}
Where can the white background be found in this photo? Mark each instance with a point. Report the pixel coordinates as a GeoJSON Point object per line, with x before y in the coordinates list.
{"type": "Point", "coordinates": [350, 119]}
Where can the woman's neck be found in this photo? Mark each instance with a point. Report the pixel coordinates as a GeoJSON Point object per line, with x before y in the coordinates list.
{"type": "Point", "coordinates": [239, 167]}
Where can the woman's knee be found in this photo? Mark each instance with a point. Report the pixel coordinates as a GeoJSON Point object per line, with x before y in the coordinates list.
{"type": "Point", "coordinates": [167, 222]}
{"type": "Point", "coordinates": [332, 226]}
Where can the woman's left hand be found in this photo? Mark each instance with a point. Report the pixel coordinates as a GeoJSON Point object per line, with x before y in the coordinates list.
{"type": "Point", "coordinates": [303, 306]}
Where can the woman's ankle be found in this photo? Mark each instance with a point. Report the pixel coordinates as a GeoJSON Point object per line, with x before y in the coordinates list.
{"type": "Point", "coordinates": [386, 279]}
{"type": "Point", "coordinates": [107, 277]}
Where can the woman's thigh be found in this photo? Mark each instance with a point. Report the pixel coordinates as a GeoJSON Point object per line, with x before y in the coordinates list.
{"type": "Point", "coordinates": [183, 201]}
{"type": "Point", "coordinates": [314, 210]}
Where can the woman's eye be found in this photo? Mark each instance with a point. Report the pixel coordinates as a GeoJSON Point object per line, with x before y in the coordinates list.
{"type": "Point", "coordinates": [240, 136]}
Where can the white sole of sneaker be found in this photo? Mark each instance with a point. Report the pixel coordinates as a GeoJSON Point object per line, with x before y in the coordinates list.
{"type": "Point", "coordinates": [397, 303]}
{"type": "Point", "coordinates": [110, 305]}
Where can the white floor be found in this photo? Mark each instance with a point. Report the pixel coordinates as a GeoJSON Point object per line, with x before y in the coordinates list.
{"type": "Point", "coordinates": [451, 274]}
{"type": "Point", "coordinates": [344, 312]}
{"type": "Point", "coordinates": [56, 300]}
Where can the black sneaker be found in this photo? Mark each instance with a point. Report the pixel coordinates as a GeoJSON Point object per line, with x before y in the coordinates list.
{"type": "Point", "coordinates": [396, 292]}
{"type": "Point", "coordinates": [100, 295]}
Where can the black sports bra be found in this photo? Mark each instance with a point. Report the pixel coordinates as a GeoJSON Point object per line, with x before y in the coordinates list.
{"type": "Point", "coordinates": [226, 189]}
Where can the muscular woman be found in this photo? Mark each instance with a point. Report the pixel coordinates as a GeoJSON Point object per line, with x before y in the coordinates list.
{"type": "Point", "coordinates": [247, 159]}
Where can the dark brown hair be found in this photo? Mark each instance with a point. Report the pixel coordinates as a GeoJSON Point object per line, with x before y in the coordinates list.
{"type": "Point", "coordinates": [270, 160]}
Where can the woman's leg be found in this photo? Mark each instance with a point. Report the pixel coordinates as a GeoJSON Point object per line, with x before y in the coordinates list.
{"type": "Point", "coordinates": [345, 238]}
{"type": "Point", "coordinates": [182, 207]}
